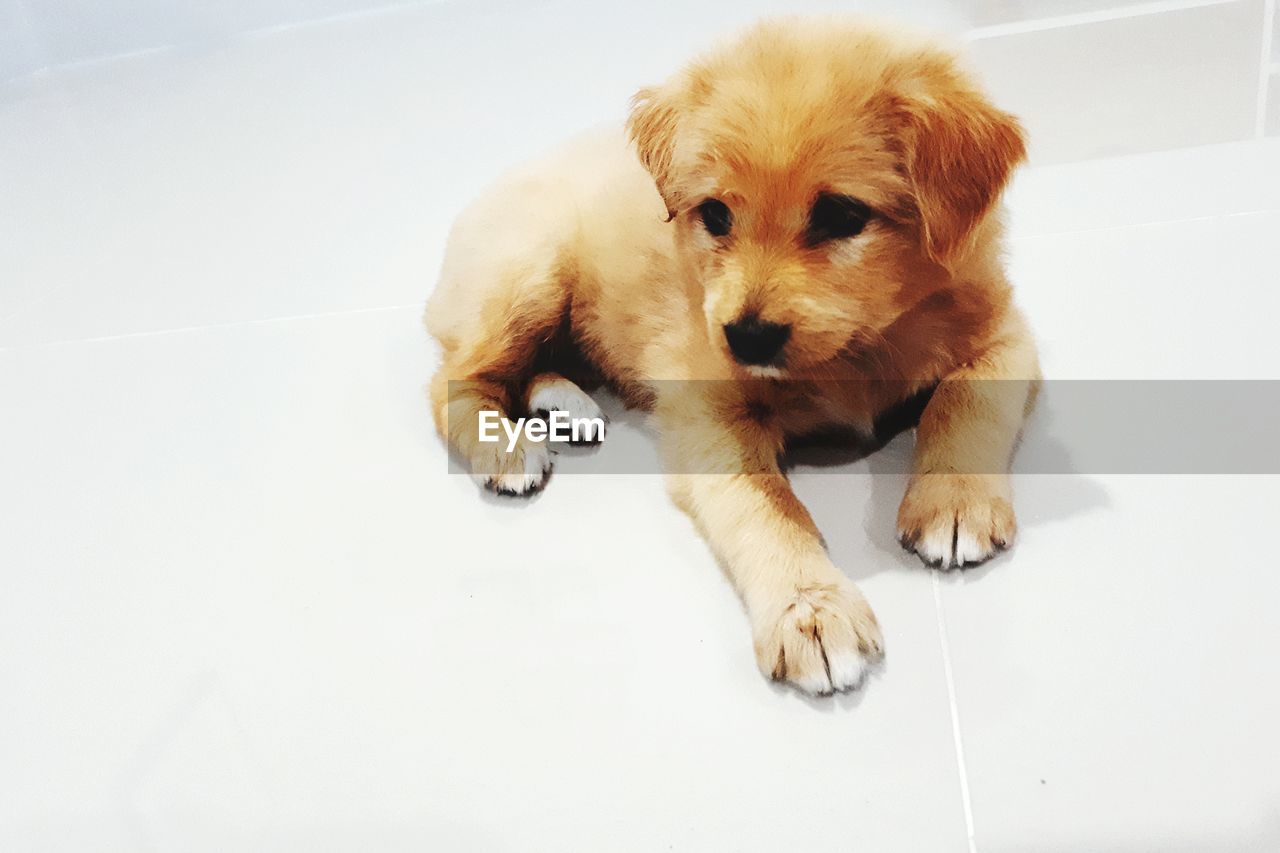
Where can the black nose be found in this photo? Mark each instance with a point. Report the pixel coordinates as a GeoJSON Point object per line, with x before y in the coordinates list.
{"type": "Point", "coordinates": [754, 342]}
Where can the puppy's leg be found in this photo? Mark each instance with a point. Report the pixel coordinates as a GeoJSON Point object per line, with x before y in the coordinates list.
{"type": "Point", "coordinates": [957, 508]}
{"type": "Point", "coordinates": [489, 351]}
{"type": "Point", "coordinates": [811, 625]}
{"type": "Point", "coordinates": [457, 405]}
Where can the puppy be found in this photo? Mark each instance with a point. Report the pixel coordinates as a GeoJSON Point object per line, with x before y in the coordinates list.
{"type": "Point", "coordinates": [798, 231]}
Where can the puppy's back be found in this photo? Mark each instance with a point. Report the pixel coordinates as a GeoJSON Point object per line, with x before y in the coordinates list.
{"type": "Point", "coordinates": [579, 215]}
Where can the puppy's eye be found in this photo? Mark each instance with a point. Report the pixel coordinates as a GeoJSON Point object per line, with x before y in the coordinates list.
{"type": "Point", "coordinates": [716, 217]}
{"type": "Point", "coordinates": [835, 217]}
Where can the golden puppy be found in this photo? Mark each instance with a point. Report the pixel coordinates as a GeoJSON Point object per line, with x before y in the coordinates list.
{"type": "Point", "coordinates": [802, 233]}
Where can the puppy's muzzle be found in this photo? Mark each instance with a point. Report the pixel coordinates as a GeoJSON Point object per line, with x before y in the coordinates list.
{"type": "Point", "coordinates": [754, 342]}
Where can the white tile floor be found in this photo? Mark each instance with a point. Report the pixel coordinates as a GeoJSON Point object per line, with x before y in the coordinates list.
{"type": "Point", "coordinates": [243, 607]}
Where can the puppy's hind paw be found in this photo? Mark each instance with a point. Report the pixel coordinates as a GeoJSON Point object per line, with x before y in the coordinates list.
{"type": "Point", "coordinates": [521, 473]}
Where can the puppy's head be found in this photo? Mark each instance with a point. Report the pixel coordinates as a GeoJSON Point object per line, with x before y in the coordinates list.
{"type": "Point", "coordinates": [824, 176]}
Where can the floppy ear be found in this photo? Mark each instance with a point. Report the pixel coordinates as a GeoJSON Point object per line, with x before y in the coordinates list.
{"type": "Point", "coordinates": [652, 128]}
{"type": "Point", "coordinates": [959, 153]}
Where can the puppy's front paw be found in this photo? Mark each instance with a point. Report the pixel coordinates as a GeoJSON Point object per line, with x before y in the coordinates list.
{"type": "Point", "coordinates": [954, 520]}
{"type": "Point", "coordinates": [521, 472]}
{"type": "Point", "coordinates": [821, 640]}
{"type": "Point", "coordinates": [552, 393]}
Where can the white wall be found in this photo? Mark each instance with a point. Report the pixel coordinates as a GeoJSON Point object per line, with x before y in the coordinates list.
{"type": "Point", "coordinates": [1128, 79]}
{"type": "Point", "coordinates": [1090, 77]}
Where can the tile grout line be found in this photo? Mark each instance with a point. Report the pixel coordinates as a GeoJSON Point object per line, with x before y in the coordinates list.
{"type": "Point", "coordinates": [1014, 236]}
{"type": "Point", "coordinates": [1118, 13]}
{"type": "Point", "coordinates": [389, 8]}
{"type": "Point", "coordinates": [1264, 67]}
{"type": "Point", "coordinates": [256, 321]}
{"type": "Point", "coordinates": [89, 62]}
{"type": "Point", "coordinates": [961, 767]}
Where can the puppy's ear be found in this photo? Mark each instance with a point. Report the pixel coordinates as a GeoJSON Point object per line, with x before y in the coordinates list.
{"type": "Point", "coordinates": [959, 152]}
{"type": "Point", "coordinates": [652, 128]}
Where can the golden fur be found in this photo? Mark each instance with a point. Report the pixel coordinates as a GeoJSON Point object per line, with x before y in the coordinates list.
{"type": "Point", "coordinates": [601, 245]}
